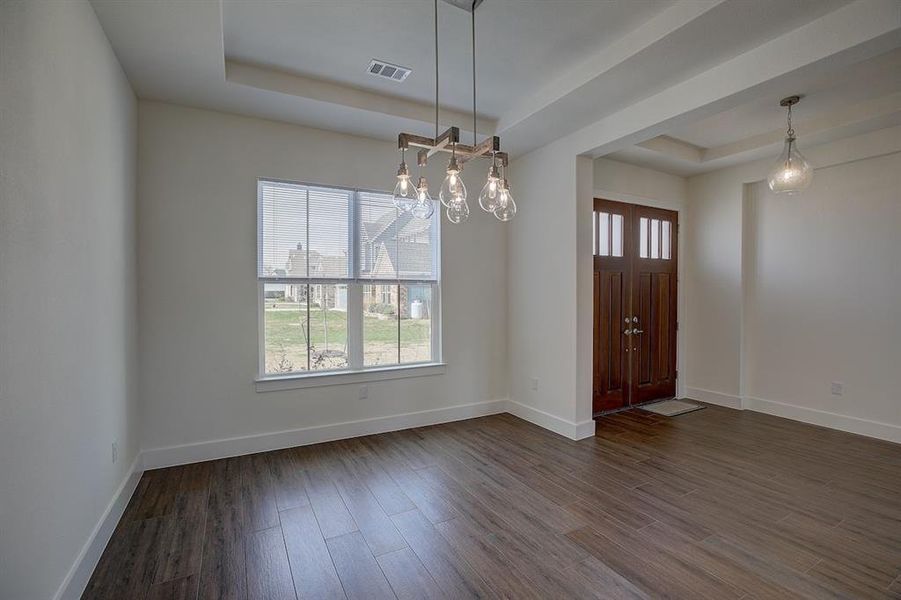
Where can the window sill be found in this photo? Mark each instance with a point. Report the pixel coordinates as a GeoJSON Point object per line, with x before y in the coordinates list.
{"type": "Point", "coordinates": [311, 380]}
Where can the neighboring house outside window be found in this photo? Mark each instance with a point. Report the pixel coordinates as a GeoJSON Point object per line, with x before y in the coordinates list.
{"type": "Point", "coordinates": [347, 282]}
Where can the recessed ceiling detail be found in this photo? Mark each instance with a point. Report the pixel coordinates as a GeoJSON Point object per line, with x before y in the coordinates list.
{"type": "Point", "coordinates": [606, 76]}
{"type": "Point", "coordinates": [467, 5]}
{"type": "Point", "coordinates": [837, 104]}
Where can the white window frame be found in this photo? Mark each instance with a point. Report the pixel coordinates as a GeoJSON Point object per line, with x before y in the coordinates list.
{"type": "Point", "coordinates": [355, 371]}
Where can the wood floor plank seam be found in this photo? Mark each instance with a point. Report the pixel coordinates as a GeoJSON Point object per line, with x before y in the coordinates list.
{"type": "Point", "coordinates": [712, 504]}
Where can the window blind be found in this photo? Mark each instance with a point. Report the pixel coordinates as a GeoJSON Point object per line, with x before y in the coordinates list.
{"type": "Point", "coordinates": [324, 234]}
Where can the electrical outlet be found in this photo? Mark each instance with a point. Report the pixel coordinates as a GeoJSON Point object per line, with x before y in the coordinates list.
{"type": "Point", "coordinates": [115, 452]}
{"type": "Point", "coordinates": [534, 383]}
{"type": "Point", "coordinates": [364, 392]}
{"type": "Point", "coordinates": [838, 388]}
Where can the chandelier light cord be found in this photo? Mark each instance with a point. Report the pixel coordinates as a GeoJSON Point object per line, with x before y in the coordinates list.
{"type": "Point", "coordinates": [473, 13]}
{"type": "Point", "coordinates": [436, 68]}
{"type": "Point", "coordinates": [495, 197]}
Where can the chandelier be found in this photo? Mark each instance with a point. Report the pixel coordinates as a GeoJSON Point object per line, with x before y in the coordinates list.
{"type": "Point", "coordinates": [791, 173]}
{"type": "Point", "coordinates": [495, 197]}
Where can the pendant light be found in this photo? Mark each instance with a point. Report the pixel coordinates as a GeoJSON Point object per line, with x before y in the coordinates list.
{"type": "Point", "coordinates": [505, 208]}
{"type": "Point", "coordinates": [495, 196]}
{"type": "Point", "coordinates": [791, 173]}
{"type": "Point", "coordinates": [404, 192]}
{"type": "Point", "coordinates": [453, 190]}
{"type": "Point", "coordinates": [425, 206]}
{"type": "Point", "coordinates": [488, 197]}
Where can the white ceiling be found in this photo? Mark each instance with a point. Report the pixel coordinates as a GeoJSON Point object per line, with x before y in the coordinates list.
{"type": "Point", "coordinates": [519, 43]}
{"type": "Point", "coordinates": [827, 93]}
{"type": "Point", "coordinates": [546, 68]}
{"type": "Point", "coordinates": [836, 103]}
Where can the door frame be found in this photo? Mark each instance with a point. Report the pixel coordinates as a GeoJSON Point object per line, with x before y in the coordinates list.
{"type": "Point", "coordinates": [587, 320]}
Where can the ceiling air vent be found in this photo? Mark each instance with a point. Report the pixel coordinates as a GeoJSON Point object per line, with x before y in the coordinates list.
{"type": "Point", "coordinates": [380, 68]}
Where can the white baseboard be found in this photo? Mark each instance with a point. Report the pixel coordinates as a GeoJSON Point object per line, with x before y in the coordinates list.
{"type": "Point", "coordinates": [190, 453]}
{"type": "Point", "coordinates": [570, 429]}
{"type": "Point", "coordinates": [712, 397]}
{"type": "Point", "coordinates": [78, 576]}
{"type": "Point", "coordinates": [77, 579]}
{"type": "Point", "coordinates": [585, 429]}
{"type": "Point", "coordinates": [874, 429]}
{"type": "Point", "coordinates": [80, 573]}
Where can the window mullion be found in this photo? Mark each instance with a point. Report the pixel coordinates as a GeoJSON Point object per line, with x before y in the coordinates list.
{"type": "Point", "coordinates": [355, 325]}
{"type": "Point", "coordinates": [309, 323]}
{"type": "Point", "coordinates": [261, 325]}
{"type": "Point", "coordinates": [354, 289]}
{"type": "Point", "coordinates": [435, 316]}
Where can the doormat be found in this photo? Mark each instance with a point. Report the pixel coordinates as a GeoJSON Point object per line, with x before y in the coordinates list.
{"type": "Point", "coordinates": [671, 408]}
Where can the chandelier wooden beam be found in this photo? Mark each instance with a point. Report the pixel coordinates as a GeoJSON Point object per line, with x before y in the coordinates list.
{"type": "Point", "coordinates": [449, 142]}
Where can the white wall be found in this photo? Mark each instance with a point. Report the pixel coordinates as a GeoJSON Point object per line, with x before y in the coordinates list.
{"type": "Point", "coordinates": [543, 267]}
{"type": "Point", "coordinates": [823, 284]}
{"type": "Point", "coordinates": [67, 290]}
{"type": "Point", "coordinates": [711, 239]}
{"type": "Point", "coordinates": [748, 318]}
{"type": "Point", "coordinates": [615, 180]}
{"type": "Point", "coordinates": [198, 289]}
{"type": "Point", "coordinates": [550, 276]}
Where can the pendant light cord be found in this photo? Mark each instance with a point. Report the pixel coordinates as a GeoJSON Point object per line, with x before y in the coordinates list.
{"type": "Point", "coordinates": [791, 131]}
{"type": "Point", "coordinates": [436, 69]}
{"type": "Point", "coordinates": [474, 135]}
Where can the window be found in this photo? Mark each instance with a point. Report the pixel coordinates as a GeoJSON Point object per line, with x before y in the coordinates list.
{"type": "Point", "coordinates": [655, 239]}
{"type": "Point", "coordinates": [346, 281]}
{"type": "Point", "coordinates": [608, 234]}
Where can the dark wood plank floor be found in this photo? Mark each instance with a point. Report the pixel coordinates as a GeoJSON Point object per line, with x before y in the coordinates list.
{"type": "Point", "coordinates": [713, 504]}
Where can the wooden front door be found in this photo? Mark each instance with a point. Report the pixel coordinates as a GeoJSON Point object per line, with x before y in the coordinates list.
{"type": "Point", "coordinates": [634, 304]}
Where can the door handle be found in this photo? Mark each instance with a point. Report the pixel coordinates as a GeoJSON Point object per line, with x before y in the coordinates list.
{"type": "Point", "coordinates": [627, 332]}
{"type": "Point", "coordinates": [637, 331]}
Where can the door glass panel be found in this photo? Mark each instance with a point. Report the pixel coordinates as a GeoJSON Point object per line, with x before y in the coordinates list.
{"type": "Point", "coordinates": [594, 233]}
{"type": "Point", "coordinates": [617, 235]}
{"type": "Point", "coordinates": [666, 243]}
{"type": "Point", "coordinates": [604, 234]}
{"type": "Point", "coordinates": [643, 237]}
{"type": "Point", "coordinates": [655, 238]}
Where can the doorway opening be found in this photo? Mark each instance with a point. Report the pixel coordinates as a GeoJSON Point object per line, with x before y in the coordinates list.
{"type": "Point", "coordinates": [635, 320]}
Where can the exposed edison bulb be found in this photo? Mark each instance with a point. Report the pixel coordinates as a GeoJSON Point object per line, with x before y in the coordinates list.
{"type": "Point", "coordinates": [424, 207]}
{"type": "Point", "coordinates": [506, 206]}
{"type": "Point", "coordinates": [457, 210]}
{"type": "Point", "coordinates": [404, 191]}
{"type": "Point", "coordinates": [489, 195]}
{"type": "Point", "coordinates": [453, 187]}
{"type": "Point", "coordinates": [791, 173]}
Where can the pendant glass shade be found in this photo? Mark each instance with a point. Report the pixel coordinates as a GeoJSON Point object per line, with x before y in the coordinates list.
{"type": "Point", "coordinates": [425, 206]}
{"type": "Point", "coordinates": [458, 211]}
{"type": "Point", "coordinates": [452, 190]}
{"type": "Point", "coordinates": [489, 194]}
{"type": "Point", "coordinates": [404, 191]}
{"type": "Point", "coordinates": [494, 197]}
{"type": "Point", "coordinates": [791, 173]}
{"type": "Point", "coordinates": [506, 207]}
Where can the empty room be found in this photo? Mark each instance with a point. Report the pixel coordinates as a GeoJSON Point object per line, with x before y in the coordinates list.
{"type": "Point", "coordinates": [450, 299]}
